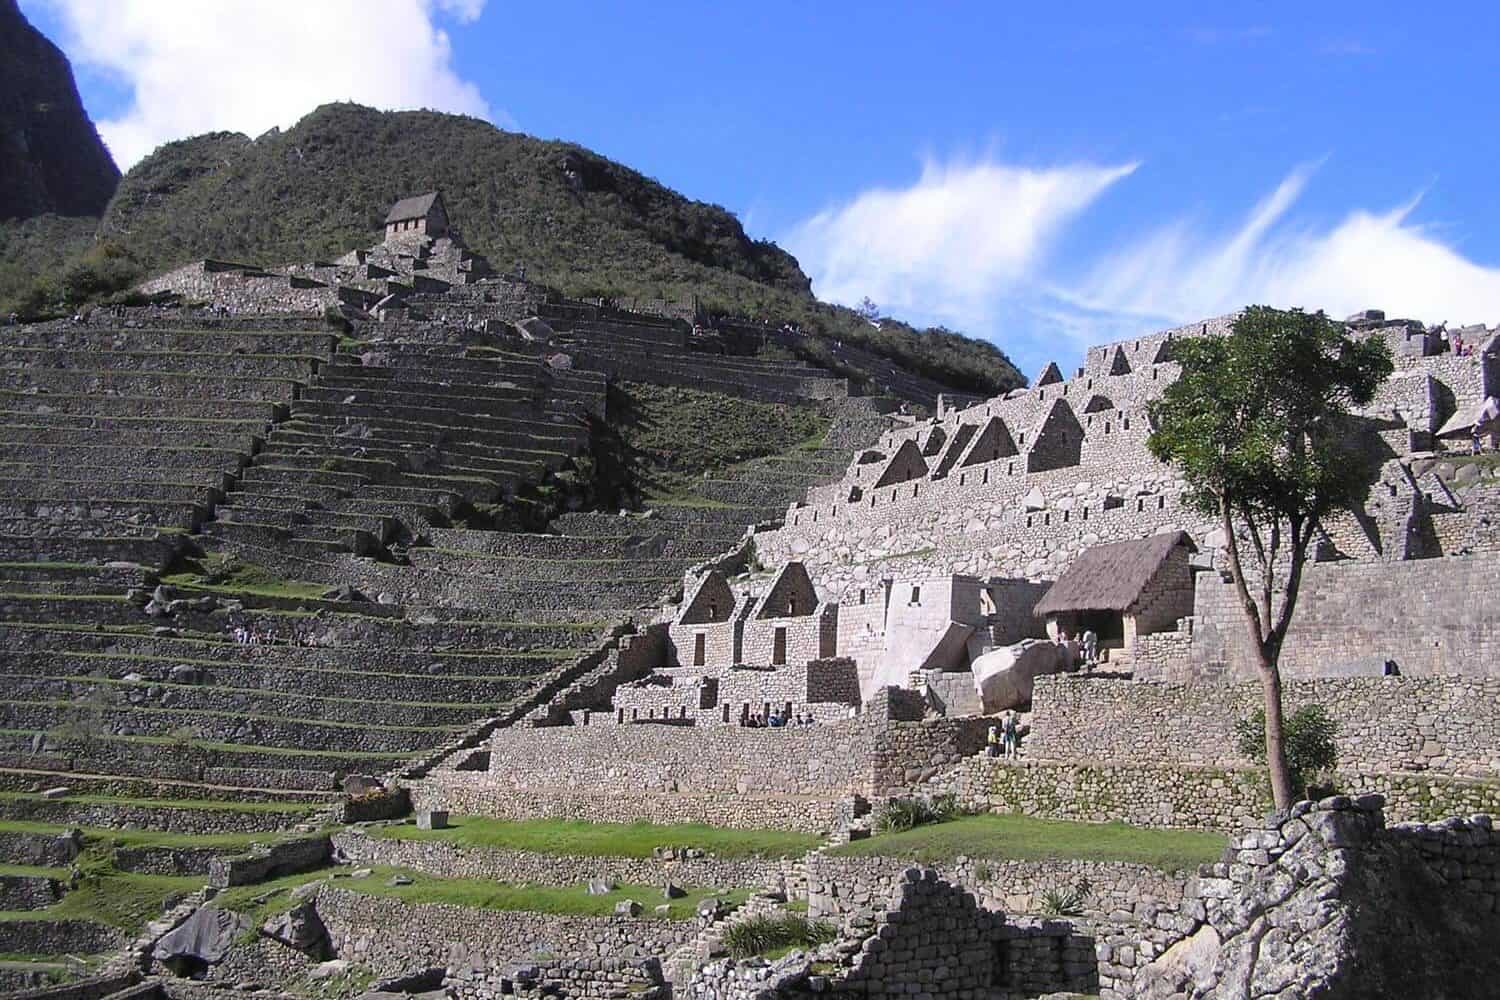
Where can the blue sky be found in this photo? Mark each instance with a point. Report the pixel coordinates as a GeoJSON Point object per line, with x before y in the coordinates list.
{"type": "Point", "coordinates": [1045, 176]}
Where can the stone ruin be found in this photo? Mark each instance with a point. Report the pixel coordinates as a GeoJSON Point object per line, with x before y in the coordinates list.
{"type": "Point", "coordinates": [922, 573]}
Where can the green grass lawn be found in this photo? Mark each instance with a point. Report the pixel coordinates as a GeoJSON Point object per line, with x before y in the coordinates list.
{"type": "Point", "coordinates": [265, 899]}
{"type": "Point", "coordinates": [1004, 837]}
{"type": "Point", "coordinates": [208, 805]}
{"type": "Point", "coordinates": [612, 840]}
{"type": "Point", "coordinates": [98, 839]}
{"type": "Point", "coordinates": [122, 900]}
{"type": "Point", "coordinates": [34, 871]}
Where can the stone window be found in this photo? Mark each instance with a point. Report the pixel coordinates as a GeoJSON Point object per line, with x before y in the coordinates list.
{"type": "Point", "coordinates": [861, 595]}
{"type": "Point", "coordinates": [778, 648]}
{"type": "Point", "coordinates": [699, 641]}
{"type": "Point", "coordinates": [916, 595]}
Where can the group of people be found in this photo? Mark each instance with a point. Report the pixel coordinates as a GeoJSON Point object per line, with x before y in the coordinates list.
{"type": "Point", "coordinates": [1004, 740]}
{"type": "Point", "coordinates": [245, 636]}
{"type": "Point", "coordinates": [1088, 646]}
{"type": "Point", "coordinates": [778, 720]}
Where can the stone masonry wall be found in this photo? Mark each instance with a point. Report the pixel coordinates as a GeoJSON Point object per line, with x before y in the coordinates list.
{"type": "Point", "coordinates": [527, 868]}
{"type": "Point", "coordinates": [1423, 614]}
{"type": "Point", "coordinates": [839, 887]}
{"type": "Point", "coordinates": [1448, 725]}
{"type": "Point", "coordinates": [391, 936]}
{"type": "Point", "coordinates": [1314, 902]}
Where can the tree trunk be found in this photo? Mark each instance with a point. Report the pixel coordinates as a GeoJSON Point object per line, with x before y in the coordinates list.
{"type": "Point", "coordinates": [1263, 644]}
{"type": "Point", "coordinates": [1282, 793]}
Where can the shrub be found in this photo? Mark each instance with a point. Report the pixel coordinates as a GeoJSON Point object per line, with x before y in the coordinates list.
{"type": "Point", "coordinates": [906, 814]}
{"type": "Point", "coordinates": [1067, 902]}
{"type": "Point", "coordinates": [1310, 748]}
{"type": "Point", "coordinates": [777, 932]}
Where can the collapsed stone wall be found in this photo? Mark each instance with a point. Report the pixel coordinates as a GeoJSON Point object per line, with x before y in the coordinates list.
{"type": "Point", "coordinates": [244, 289]}
{"type": "Point", "coordinates": [929, 939]}
{"type": "Point", "coordinates": [1447, 725]}
{"type": "Point", "coordinates": [1314, 902]}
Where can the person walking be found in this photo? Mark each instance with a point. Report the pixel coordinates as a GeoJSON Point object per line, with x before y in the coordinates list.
{"type": "Point", "coordinates": [1090, 648]}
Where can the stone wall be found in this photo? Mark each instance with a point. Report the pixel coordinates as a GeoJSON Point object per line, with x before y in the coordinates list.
{"type": "Point", "coordinates": [798, 777]}
{"type": "Point", "coordinates": [1144, 793]}
{"type": "Point", "coordinates": [929, 938]}
{"type": "Point", "coordinates": [1422, 615]}
{"type": "Point", "coordinates": [1314, 902]}
{"type": "Point", "coordinates": [528, 868]}
{"type": "Point", "coordinates": [391, 936]}
{"type": "Point", "coordinates": [840, 887]}
{"type": "Point", "coordinates": [1448, 725]}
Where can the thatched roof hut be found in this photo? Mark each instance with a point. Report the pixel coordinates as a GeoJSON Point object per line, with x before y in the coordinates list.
{"type": "Point", "coordinates": [1112, 577]}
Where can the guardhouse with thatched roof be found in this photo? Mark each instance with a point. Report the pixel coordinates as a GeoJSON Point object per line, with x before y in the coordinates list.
{"type": "Point", "coordinates": [1123, 590]}
{"type": "Point", "coordinates": [419, 215]}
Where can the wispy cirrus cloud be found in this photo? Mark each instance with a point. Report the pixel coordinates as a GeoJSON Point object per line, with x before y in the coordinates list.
{"type": "Point", "coordinates": [250, 65]}
{"type": "Point", "coordinates": [973, 245]}
{"type": "Point", "coordinates": [1369, 258]}
{"type": "Point", "coordinates": [950, 244]}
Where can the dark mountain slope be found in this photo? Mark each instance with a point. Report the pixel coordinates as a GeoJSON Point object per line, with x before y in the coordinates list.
{"type": "Point", "coordinates": [573, 219]}
{"type": "Point", "coordinates": [51, 157]}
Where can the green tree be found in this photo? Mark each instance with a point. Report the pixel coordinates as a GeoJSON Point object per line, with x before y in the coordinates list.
{"type": "Point", "coordinates": [1310, 746]}
{"type": "Point", "coordinates": [1259, 425]}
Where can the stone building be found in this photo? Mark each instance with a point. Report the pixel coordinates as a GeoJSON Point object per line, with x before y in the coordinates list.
{"type": "Point", "coordinates": [419, 215]}
{"type": "Point", "coordinates": [1123, 591]}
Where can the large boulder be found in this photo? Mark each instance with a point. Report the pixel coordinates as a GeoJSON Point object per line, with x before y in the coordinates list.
{"type": "Point", "coordinates": [300, 928]}
{"type": "Point", "coordinates": [1004, 677]}
{"type": "Point", "coordinates": [203, 939]}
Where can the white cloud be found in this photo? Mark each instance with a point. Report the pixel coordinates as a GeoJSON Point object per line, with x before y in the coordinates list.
{"type": "Point", "coordinates": [249, 65]}
{"type": "Point", "coordinates": [968, 245]}
{"type": "Point", "coordinates": [1367, 259]}
{"type": "Point", "coordinates": [951, 244]}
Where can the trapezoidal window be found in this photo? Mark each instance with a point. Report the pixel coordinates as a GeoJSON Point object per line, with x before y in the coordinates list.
{"type": "Point", "coordinates": [778, 648]}
{"type": "Point", "coordinates": [916, 595]}
{"type": "Point", "coordinates": [699, 642]}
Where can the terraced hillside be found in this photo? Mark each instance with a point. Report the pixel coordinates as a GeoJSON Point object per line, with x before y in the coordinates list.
{"type": "Point", "coordinates": [174, 482]}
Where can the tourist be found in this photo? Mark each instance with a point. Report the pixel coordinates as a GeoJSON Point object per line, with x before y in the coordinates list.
{"type": "Point", "coordinates": [1012, 735]}
{"type": "Point", "coordinates": [992, 742]}
{"type": "Point", "coordinates": [1476, 443]}
{"type": "Point", "coordinates": [1090, 648]}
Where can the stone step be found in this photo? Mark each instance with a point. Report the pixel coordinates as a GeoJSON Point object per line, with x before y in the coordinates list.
{"type": "Point", "coordinates": [350, 658]}
{"type": "Point", "coordinates": [640, 542]}
{"type": "Point", "coordinates": [346, 707]}
{"type": "Point", "coordinates": [146, 407]}
{"type": "Point", "coordinates": [231, 727]}
{"type": "Point", "coordinates": [148, 384]}
{"type": "Point", "coordinates": [241, 365]}
{"type": "Point", "coordinates": [205, 437]}
{"type": "Point", "coordinates": [220, 342]}
{"type": "Point", "coordinates": [69, 489]}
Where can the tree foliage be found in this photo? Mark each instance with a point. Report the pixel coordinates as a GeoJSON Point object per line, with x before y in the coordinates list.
{"type": "Point", "coordinates": [1259, 423]}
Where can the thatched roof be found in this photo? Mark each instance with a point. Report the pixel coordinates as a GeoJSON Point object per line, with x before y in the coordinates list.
{"type": "Point", "coordinates": [1111, 577]}
{"type": "Point", "coordinates": [415, 207]}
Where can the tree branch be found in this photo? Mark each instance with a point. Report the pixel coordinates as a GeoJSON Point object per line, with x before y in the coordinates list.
{"type": "Point", "coordinates": [1237, 570]}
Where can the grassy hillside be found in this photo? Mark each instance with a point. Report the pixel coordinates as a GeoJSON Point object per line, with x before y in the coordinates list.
{"type": "Point", "coordinates": [575, 220]}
